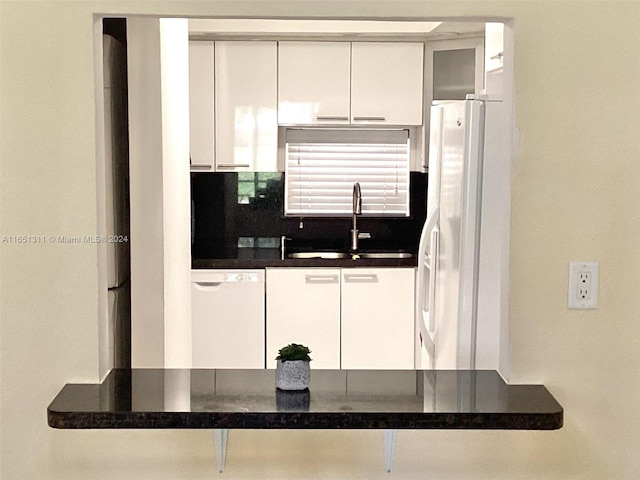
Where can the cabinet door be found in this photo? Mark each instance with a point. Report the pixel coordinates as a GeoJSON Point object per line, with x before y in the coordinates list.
{"type": "Point", "coordinates": [303, 306]}
{"type": "Point", "coordinates": [246, 103]}
{"type": "Point", "coordinates": [386, 83]}
{"type": "Point", "coordinates": [377, 318]}
{"type": "Point", "coordinates": [201, 106]}
{"type": "Point", "coordinates": [313, 82]}
{"type": "Point", "coordinates": [455, 68]}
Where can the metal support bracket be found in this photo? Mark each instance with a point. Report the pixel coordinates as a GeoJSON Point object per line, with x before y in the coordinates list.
{"type": "Point", "coordinates": [220, 439]}
{"type": "Point", "coordinates": [221, 436]}
{"type": "Point", "coordinates": [389, 448]}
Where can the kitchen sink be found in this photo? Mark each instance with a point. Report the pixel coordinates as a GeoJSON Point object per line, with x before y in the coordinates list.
{"type": "Point", "coordinates": [386, 255]}
{"type": "Point", "coordinates": [321, 254]}
{"type": "Point", "coordinates": [327, 254]}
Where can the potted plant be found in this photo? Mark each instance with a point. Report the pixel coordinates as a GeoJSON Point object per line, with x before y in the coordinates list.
{"type": "Point", "coordinates": [292, 371]}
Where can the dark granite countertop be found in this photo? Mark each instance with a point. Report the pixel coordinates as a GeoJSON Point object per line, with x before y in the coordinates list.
{"type": "Point", "coordinates": [298, 262]}
{"type": "Point", "coordinates": [270, 257]}
{"type": "Point", "coordinates": [337, 399]}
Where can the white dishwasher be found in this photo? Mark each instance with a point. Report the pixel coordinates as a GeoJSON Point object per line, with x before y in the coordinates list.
{"type": "Point", "coordinates": [228, 318]}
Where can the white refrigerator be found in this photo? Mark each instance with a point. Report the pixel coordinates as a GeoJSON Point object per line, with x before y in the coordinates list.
{"type": "Point", "coordinates": [116, 203]}
{"type": "Point", "coordinates": [449, 250]}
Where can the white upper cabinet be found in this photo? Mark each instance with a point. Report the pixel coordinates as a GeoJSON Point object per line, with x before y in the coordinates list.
{"type": "Point", "coordinates": [387, 83]}
{"type": "Point", "coordinates": [457, 69]}
{"type": "Point", "coordinates": [201, 106]}
{"type": "Point", "coordinates": [313, 82]}
{"type": "Point", "coordinates": [246, 105]}
{"type": "Point", "coordinates": [370, 83]}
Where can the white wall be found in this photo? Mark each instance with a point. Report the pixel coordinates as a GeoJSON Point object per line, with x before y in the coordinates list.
{"type": "Point", "coordinates": [575, 195]}
{"type": "Point", "coordinates": [160, 205]}
{"type": "Point", "coordinates": [146, 184]}
{"type": "Point", "coordinates": [174, 44]}
{"type": "Point", "coordinates": [106, 328]}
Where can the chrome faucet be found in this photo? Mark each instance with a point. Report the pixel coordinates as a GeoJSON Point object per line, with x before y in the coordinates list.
{"type": "Point", "coordinates": [357, 210]}
{"type": "Point", "coordinates": [283, 246]}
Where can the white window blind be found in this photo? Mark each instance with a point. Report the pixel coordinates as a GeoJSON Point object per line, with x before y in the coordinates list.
{"type": "Point", "coordinates": [322, 166]}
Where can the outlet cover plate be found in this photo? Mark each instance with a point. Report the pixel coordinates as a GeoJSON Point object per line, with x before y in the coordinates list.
{"type": "Point", "coordinates": [583, 285]}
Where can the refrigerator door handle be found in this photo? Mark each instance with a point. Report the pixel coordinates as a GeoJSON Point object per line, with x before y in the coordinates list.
{"type": "Point", "coordinates": [434, 251]}
{"type": "Point", "coordinates": [427, 260]}
{"type": "Point", "coordinates": [429, 346]}
{"type": "Point", "coordinates": [424, 260]}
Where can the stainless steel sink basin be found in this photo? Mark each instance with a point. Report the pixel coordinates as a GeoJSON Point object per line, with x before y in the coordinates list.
{"type": "Point", "coordinates": [386, 255]}
{"type": "Point", "coordinates": [328, 254]}
{"type": "Point", "coordinates": [325, 255]}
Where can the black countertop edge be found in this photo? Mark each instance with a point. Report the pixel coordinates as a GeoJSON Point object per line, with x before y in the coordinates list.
{"type": "Point", "coordinates": [304, 420]}
{"type": "Point", "coordinates": [238, 263]}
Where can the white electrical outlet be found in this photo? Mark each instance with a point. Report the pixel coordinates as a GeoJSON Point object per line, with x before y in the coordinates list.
{"type": "Point", "coordinates": [583, 284]}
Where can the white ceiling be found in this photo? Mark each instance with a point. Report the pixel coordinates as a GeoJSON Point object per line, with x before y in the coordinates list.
{"type": "Point", "coordinates": [333, 28]}
{"type": "Point", "coordinates": [451, 29]}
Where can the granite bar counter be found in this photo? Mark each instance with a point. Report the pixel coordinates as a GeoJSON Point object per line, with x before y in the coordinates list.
{"type": "Point", "coordinates": [337, 399]}
{"type": "Point", "coordinates": [147, 398]}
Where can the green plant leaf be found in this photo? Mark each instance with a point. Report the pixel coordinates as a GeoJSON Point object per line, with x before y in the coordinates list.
{"type": "Point", "coordinates": [294, 351]}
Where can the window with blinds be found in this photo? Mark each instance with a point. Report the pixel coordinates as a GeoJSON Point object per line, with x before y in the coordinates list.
{"type": "Point", "coordinates": [323, 165]}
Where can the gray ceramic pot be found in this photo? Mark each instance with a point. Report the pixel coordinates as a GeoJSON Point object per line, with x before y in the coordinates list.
{"type": "Point", "coordinates": [293, 375]}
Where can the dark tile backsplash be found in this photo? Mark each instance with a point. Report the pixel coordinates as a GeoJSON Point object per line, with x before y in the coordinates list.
{"type": "Point", "coordinates": [231, 211]}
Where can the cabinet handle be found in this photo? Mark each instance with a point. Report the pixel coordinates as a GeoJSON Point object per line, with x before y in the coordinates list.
{"type": "Point", "coordinates": [321, 278]}
{"type": "Point", "coordinates": [326, 118]}
{"type": "Point", "coordinates": [233, 165]}
{"type": "Point", "coordinates": [360, 277]}
{"type": "Point", "coordinates": [369, 119]}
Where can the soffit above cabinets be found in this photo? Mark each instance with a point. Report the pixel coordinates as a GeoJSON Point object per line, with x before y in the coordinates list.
{"type": "Point", "coordinates": [306, 29]}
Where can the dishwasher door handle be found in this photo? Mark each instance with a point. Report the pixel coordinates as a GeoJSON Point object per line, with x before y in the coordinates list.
{"type": "Point", "coordinates": [205, 285]}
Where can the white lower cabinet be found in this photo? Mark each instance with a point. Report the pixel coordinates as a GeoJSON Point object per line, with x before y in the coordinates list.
{"type": "Point", "coordinates": [303, 306]}
{"type": "Point", "coordinates": [227, 318]}
{"type": "Point", "coordinates": [354, 318]}
{"type": "Point", "coordinates": [377, 318]}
